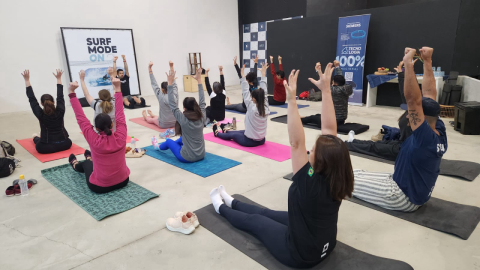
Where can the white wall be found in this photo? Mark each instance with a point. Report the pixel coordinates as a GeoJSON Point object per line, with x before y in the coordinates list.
{"type": "Point", "coordinates": [471, 88]}
{"type": "Point", "coordinates": [30, 38]}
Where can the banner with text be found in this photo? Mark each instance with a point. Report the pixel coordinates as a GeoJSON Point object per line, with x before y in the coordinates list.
{"type": "Point", "coordinates": [92, 50]}
{"type": "Point", "coordinates": [351, 46]}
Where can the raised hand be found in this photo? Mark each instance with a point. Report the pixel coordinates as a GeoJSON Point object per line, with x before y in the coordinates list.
{"type": "Point", "coordinates": [426, 53]}
{"type": "Point", "coordinates": [242, 71]}
{"type": "Point", "coordinates": [279, 58]}
{"type": "Point", "coordinates": [26, 75]}
{"type": "Point", "coordinates": [171, 76]}
{"type": "Point", "coordinates": [82, 75]}
{"type": "Point", "coordinates": [72, 86]}
{"type": "Point", "coordinates": [115, 58]}
{"type": "Point", "coordinates": [271, 59]}
{"type": "Point", "coordinates": [150, 65]}
{"type": "Point", "coordinates": [235, 61]}
{"type": "Point", "coordinates": [59, 74]}
{"type": "Point", "coordinates": [324, 82]}
{"type": "Point", "coordinates": [255, 59]}
{"type": "Point", "coordinates": [398, 69]}
{"type": "Point", "coordinates": [264, 69]}
{"type": "Point", "coordinates": [409, 54]}
{"type": "Point", "coordinates": [318, 67]}
{"type": "Point", "coordinates": [336, 63]}
{"type": "Point", "coordinates": [170, 63]}
{"type": "Point", "coordinates": [220, 68]}
{"type": "Point", "coordinates": [116, 84]}
{"type": "Point", "coordinates": [291, 85]}
{"type": "Point", "coordinates": [207, 70]}
{"type": "Point", "coordinates": [123, 56]}
{"type": "Point", "coordinates": [110, 71]}
{"type": "Point", "coordinates": [198, 75]}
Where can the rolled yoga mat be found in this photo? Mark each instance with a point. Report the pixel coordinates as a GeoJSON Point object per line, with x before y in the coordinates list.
{"type": "Point", "coordinates": [342, 129]}
{"type": "Point", "coordinates": [343, 257]}
{"type": "Point", "coordinates": [440, 215]}
{"type": "Point", "coordinates": [466, 170]}
{"type": "Point", "coordinates": [99, 206]}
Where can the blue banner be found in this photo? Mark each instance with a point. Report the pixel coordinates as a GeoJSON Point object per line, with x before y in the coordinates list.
{"type": "Point", "coordinates": [351, 46]}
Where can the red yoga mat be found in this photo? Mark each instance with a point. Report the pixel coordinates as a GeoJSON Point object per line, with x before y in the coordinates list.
{"type": "Point", "coordinates": [271, 150]}
{"type": "Point", "coordinates": [144, 123]}
{"type": "Point", "coordinates": [128, 140]}
{"type": "Point", "coordinates": [30, 147]}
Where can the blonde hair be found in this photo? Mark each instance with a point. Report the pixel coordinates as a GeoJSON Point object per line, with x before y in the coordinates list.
{"type": "Point", "coordinates": [106, 98]}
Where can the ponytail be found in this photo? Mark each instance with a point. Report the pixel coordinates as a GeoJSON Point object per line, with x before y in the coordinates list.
{"type": "Point", "coordinates": [259, 96]}
{"type": "Point", "coordinates": [48, 104]}
{"type": "Point", "coordinates": [106, 98]}
{"type": "Point", "coordinates": [192, 109]}
{"type": "Point", "coordinates": [103, 122]}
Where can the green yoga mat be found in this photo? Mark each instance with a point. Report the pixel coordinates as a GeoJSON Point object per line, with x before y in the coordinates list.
{"type": "Point", "coordinates": [99, 206]}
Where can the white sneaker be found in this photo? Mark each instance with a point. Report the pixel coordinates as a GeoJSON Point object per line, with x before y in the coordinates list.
{"type": "Point", "coordinates": [191, 216]}
{"type": "Point", "coordinates": [176, 225]}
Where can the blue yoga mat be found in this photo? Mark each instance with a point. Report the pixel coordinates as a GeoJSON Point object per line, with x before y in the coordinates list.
{"type": "Point", "coordinates": [286, 106]}
{"type": "Point", "coordinates": [232, 111]}
{"type": "Point", "coordinates": [210, 165]}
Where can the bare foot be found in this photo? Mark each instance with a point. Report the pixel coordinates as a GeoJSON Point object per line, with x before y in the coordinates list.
{"type": "Point", "coordinates": [408, 58]}
{"type": "Point", "coordinates": [144, 113]}
{"type": "Point", "coordinates": [137, 100]}
{"type": "Point", "coordinates": [228, 101]}
{"type": "Point", "coordinates": [126, 102]}
{"type": "Point", "coordinates": [426, 53]}
{"type": "Point", "coordinates": [151, 114]}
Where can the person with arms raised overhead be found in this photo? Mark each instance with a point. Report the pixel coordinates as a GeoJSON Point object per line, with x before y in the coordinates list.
{"type": "Point", "coordinates": [165, 118]}
{"type": "Point", "coordinates": [190, 147]}
{"type": "Point", "coordinates": [256, 118]}
{"type": "Point", "coordinates": [129, 101]}
{"type": "Point", "coordinates": [216, 110]}
{"type": "Point", "coordinates": [278, 88]}
{"type": "Point", "coordinates": [53, 135]}
{"type": "Point", "coordinates": [104, 167]}
{"type": "Point", "coordinates": [418, 163]}
{"type": "Point", "coordinates": [252, 84]}
{"type": "Point", "coordinates": [307, 233]}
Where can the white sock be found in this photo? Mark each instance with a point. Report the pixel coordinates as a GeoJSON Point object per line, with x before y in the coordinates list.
{"type": "Point", "coordinates": [351, 135]}
{"type": "Point", "coordinates": [216, 199]}
{"type": "Point", "coordinates": [227, 198]}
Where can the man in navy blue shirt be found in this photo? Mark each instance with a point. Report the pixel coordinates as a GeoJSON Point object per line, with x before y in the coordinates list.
{"type": "Point", "coordinates": [418, 164]}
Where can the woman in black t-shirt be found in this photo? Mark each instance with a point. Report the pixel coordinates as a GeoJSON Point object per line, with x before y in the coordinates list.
{"type": "Point", "coordinates": [216, 110]}
{"type": "Point", "coordinates": [53, 135]}
{"type": "Point", "coordinates": [306, 234]}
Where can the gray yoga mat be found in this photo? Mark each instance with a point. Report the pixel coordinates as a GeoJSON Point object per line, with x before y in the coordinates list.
{"type": "Point", "coordinates": [343, 257]}
{"type": "Point", "coordinates": [466, 170]}
{"type": "Point", "coordinates": [440, 215]}
{"type": "Point", "coordinates": [342, 129]}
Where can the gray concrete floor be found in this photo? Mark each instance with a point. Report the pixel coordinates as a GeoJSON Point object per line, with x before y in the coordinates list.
{"type": "Point", "coordinates": [46, 230]}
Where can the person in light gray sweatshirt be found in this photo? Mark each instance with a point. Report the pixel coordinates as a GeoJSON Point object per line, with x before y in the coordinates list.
{"type": "Point", "coordinates": [256, 118]}
{"type": "Point", "coordinates": [190, 147]}
{"type": "Point", "coordinates": [165, 118]}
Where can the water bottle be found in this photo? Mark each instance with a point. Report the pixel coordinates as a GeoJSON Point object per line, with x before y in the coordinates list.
{"type": "Point", "coordinates": [154, 140]}
{"type": "Point", "coordinates": [23, 185]}
{"type": "Point", "coordinates": [132, 143]}
{"type": "Point", "coordinates": [234, 123]}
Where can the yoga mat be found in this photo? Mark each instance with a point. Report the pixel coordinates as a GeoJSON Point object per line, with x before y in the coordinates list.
{"type": "Point", "coordinates": [286, 106]}
{"type": "Point", "coordinates": [99, 206]}
{"type": "Point", "coordinates": [233, 111]}
{"type": "Point", "coordinates": [144, 123]}
{"type": "Point", "coordinates": [271, 150]}
{"type": "Point", "coordinates": [30, 147]}
{"type": "Point", "coordinates": [343, 257]}
{"type": "Point", "coordinates": [466, 170]}
{"type": "Point", "coordinates": [342, 129]}
{"type": "Point", "coordinates": [458, 219]}
{"type": "Point", "coordinates": [210, 165]}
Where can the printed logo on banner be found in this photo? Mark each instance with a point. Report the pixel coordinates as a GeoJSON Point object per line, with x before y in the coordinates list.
{"type": "Point", "coordinates": [246, 46]}
{"type": "Point", "coordinates": [261, 45]}
{"type": "Point", "coordinates": [254, 37]}
{"type": "Point", "coordinates": [262, 26]}
{"type": "Point", "coordinates": [246, 28]}
{"type": "Point", "coordinates": [246, 62]}
{"type": "Point", "coordinates": [253, 54]}
{"type": "Point", "coordinates": [260, 63]}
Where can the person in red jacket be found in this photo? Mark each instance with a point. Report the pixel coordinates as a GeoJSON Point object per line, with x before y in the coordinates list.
{"type": "Point", "coordinates": [279, 95]}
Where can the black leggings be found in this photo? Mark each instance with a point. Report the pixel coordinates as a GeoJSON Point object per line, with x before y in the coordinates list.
{"type": "Point", "coordinates": [382, 149]}
{"type": "Point", "coordinates": [240, 138]}
{"type": "Point", "coordinates": [317, 120]}
{"type": "Point", "coordinates": [86, 167]}
{"type": "Point", "coordinates": [210, 117]}
{"type": "Point", "coordinates": [268, 226]}
{"type": "Point", "coordinates": [236, 107]}
{"type": "Point", "coordinates": [272, 101]}
{"type": "Point", "coordinates": [53, 147]}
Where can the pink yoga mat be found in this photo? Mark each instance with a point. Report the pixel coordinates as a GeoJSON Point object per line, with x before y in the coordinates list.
{"type": "Point", "coordinates": [30, 147]}
{"type": "Point", "coordinates": [144, 123]}
{"type": "Point", "coordinates": [271, 150]}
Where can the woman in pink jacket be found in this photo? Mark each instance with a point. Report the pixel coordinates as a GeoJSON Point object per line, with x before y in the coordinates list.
{"type": "Point", "coordinates": [107, 154]}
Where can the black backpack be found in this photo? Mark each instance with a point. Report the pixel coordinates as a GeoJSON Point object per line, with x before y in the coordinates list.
{"type": "Point", "coordinates": [7, 166]}
{"type": "Point", "coordinates": [7, 148]}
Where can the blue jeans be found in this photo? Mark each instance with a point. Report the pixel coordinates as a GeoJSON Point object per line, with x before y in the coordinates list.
{"type": "Point", "coordinates": [240, 138]}
{"type": "Point", "coordinates": [175, 147]}
{"type": "Point", "coordinates": [268, 226]}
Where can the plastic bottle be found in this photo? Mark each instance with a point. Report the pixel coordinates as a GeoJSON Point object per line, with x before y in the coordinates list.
{"type": "Point", "coordinates": [23, 185]}
{"type": "Point", "coordinates": [154, 140]}
{"type": "Point", "coordinates": [133, 143]}
{"type": "Point", "coordinates": [234, 123]}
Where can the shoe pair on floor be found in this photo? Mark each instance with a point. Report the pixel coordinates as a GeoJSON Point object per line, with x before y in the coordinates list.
{"type": "Point", "coordinates": [14, 189]}
{"type": "Point", "coordinates": [167, 133]}
{"type": "Point", "coordinates": [183, 222]}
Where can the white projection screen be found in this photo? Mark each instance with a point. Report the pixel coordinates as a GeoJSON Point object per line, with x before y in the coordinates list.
{"type": "Point", "coordinates": [93, 49]}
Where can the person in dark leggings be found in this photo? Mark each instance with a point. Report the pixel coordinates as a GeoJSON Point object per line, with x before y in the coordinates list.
{"type": "Point", "coordinates": [216, 110]}
{"type": "Point", "coordinates": [105, 167]}
{"type": "Point", "coordinates": [256, 118]}
{"type": "Point", "coordinates": [53, 135]}
{"type": "Point", "coordinates": [306, 234]}
{"type": "Point", "coordinates": [252, 82]}
{"type": "Point", "coordinates": [278, 76]}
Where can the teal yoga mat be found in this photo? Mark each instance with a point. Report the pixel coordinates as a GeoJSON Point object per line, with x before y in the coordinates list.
{"type": "Point", "coordinates": [210, 165]}
{"type": "Point", "coordinates": [99, 206]}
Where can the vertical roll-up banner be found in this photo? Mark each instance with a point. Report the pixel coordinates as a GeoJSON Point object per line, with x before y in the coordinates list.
{"type": "Point", "coordinates": [351, 47]}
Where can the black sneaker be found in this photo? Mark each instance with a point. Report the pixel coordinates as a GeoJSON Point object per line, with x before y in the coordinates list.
{"type": "Point", "coordinates": [72, 159]}
{"type": "Point", "coordinates": [222, 126]}
{"type": "Point", "coordinates": [142, 102]}
{"type": "Point", "coordinates": [87, 154]}
{"type": "Point", "coordinates": [215, 130]}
